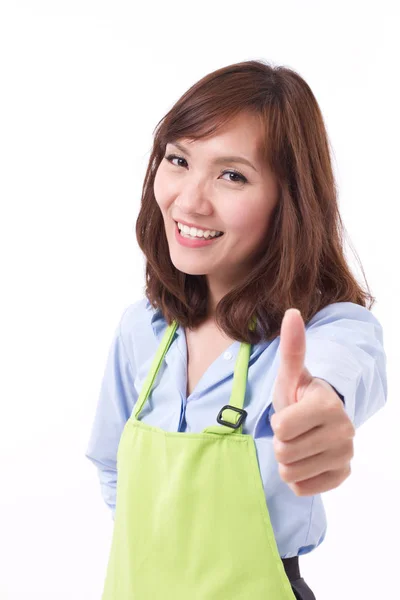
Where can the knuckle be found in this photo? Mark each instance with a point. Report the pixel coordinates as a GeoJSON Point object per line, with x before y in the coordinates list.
{"type": "Point", "coordinates": [297, 490]}
{"type": "Point", "coordinates": [281, 451]}
{"type": "Point", "coordinates": [346, 430]}
{"type": "Point", "coordinates": [351, 429]}
{"type": "Point", "coordinates": [336, 480]}
{"type": "Point", "coordinates": [331, 407]}
{"type": "Point", "coordinates": [342, 474]}
{"type": "Point", "coordinates": [350, 450]}
{"type": "Point", "coordinates": [275, 422]}
{"type": "Point", "coordinates": [284, 472]}
{"type": "Point", "coordinates": [343, 453]}
{"type": "Point", "coordinates": [278, 427]}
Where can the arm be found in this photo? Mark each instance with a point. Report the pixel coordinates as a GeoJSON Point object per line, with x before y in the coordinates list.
{"type": "Point", "coordinates": [345, 348]}
{"type": "Point", "coordinates": [114, 407]}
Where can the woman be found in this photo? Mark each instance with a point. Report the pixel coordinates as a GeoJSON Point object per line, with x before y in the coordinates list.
{"type": "Point", "coordinates": [222, 430]}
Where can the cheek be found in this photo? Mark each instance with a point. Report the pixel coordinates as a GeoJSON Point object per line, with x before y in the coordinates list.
{"type": "Point", "coordinates": [245, 220]}
{"type": "Point", "coordinates": [251, 224]}
{"type": "Point", "coordinates": [163, 188]}
{"type": "Point", "coordinates": [158, 187]}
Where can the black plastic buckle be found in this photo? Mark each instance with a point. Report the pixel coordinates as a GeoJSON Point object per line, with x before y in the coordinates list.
{"type": "Point", "coordinates": [241, 411]}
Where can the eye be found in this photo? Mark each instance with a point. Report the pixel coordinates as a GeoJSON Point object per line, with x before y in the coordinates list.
{"type": "Point", "coordinates": [172, 157]}
{"type": "Point", "coordinates": [242, 178]}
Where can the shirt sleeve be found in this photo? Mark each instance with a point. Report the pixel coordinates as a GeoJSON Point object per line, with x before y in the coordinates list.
{"type": "Point", "coordinates": [344, 346]}
{"type": "Point", "coordinates": [116, 400]}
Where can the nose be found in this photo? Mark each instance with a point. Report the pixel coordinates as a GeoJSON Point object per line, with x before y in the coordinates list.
{"type": "Point", "coordinates": [193, 199]}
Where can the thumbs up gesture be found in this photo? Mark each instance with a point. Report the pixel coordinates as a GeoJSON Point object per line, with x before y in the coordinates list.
{"type": "Point", "coordinates": [313, 436]}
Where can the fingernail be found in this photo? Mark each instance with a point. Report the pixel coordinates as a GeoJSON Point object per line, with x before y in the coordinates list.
{"type": "Point", "coordinates": [294, 310]}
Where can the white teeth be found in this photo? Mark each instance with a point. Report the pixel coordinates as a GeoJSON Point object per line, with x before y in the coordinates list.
{"type": "Point", "coordinates": [194, 232]}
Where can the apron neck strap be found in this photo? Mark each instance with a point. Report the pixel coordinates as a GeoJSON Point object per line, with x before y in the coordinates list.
{"type": "Point", "coordinates": [157, 360]}
{"type": "Point", "coordinates": [228, 412]}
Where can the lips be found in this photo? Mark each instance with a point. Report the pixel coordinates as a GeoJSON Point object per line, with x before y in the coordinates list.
{"type": "Point", "coordinates": [197, 242]}
{"type": "Point", "coordinates": [198, 227]}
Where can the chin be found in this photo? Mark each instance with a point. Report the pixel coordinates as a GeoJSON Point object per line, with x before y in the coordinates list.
{"type": "Point", "coordinates": [188, 269]}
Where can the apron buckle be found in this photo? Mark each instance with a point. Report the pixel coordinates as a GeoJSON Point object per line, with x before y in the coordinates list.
{"type": "Point", "coordinates": [241, 411]}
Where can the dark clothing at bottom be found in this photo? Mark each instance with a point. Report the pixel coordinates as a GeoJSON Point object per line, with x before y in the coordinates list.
{"type": "Point", "coordinates": [299, 586]}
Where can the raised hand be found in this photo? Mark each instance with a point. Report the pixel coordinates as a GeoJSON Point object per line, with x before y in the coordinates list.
{"type": "Point", "coordinates": [313, 435]}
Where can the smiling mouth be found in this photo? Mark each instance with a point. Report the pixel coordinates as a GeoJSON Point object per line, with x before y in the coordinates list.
{"type": "Point", "coordinates": [190, 237]}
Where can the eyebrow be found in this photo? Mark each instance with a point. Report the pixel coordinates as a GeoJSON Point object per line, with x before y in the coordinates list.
{"type": "Point", "coordinates": [220, 159]}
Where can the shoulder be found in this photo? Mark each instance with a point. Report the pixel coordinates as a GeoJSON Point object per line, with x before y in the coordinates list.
{"type": "Point", "coordinates": [133, 312]}
{"type": "Point", "coordinates": [136, 329]}
{"type": "Point", "coordinates": [346, 315]}
{"type": "Point", "coordinates": [136, 316]}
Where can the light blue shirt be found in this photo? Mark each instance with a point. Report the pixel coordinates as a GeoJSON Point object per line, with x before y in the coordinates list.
{"type": "Point", "coordinates": [344, 346]}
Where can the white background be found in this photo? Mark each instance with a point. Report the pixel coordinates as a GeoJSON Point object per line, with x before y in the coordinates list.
{"type": "Point", "coordinates": [83, 84]}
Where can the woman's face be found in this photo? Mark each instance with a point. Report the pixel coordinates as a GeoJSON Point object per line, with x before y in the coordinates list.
{"type": "Point", "coordinates": [196, 186]}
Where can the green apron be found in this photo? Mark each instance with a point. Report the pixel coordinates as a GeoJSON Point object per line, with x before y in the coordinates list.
{"type": "Point", "coordinates": [191, 519]}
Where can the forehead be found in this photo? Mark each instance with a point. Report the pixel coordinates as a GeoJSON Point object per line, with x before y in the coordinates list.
{"type": "Point", "coordinates": [242, 134]}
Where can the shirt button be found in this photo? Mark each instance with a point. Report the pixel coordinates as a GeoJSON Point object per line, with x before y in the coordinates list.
{"type": "Point", "coordinates": [228, 355]}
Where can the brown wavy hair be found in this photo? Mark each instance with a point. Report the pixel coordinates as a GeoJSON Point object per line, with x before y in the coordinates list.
{"type": "Point", "coordinates": [303, 264]}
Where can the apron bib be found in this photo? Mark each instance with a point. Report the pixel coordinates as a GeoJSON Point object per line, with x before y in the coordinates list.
{"type": "Point", "coordinates": [191, 519]}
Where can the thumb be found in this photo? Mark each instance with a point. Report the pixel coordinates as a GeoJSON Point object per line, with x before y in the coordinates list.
{"type": "Point", "coordinates": [292, 372]}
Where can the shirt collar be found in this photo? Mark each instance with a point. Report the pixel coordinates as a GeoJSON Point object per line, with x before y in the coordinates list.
{"type": "Point", "coordinates": [159, 325]}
